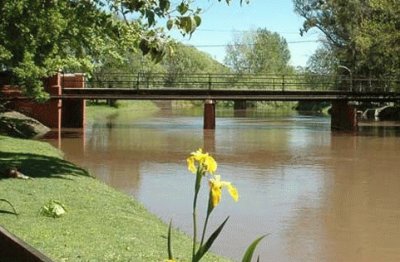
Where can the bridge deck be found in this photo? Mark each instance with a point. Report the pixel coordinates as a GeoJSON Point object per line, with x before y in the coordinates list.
{"type": "Point", "coordinates": [256, 87]}
{"type": "Point", "coordinates": [215, 94]}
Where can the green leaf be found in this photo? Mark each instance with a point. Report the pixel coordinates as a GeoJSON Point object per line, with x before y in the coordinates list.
{"type": "Point", "coordinates": [250, 250]}
{"type": "Point", "coordinates": [182, 8]}
{"type": "Point", "coordinates": [170, 24]}
{"type": "Point", "coordinates": [170, 256]}
{"type": "Point", "coordinates": [150, 18]}
{"type": "Point", "coordinates": [204, 248]}
{"type": "Point", "coordinates": [144, 46]}
{"type": "Point", "coordinates": [197, 19]}
{"type": "Point", "coordinates": [165, 5]}
{"type": "Point", "coordinates": [53, 208]}
{"type": "Point", "coordinates": [187, 24]}
{"type": "Point", "coordinates": [11, 205]}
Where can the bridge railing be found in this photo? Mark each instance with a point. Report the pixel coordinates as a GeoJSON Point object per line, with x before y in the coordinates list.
{"type": "Point", "coordinates": [376, 85]}
{"type": "Point", "coordinates": [299, 82]}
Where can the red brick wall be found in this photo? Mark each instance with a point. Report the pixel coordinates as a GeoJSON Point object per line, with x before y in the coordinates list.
{"type": "Point", "coordinates": [52, 112]}
{"type": "Point", "coordinates": [48, 113]}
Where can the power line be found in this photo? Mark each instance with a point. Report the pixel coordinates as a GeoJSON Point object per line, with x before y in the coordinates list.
{"type": "Point", "coordinates": [239, 31]}
{"type": "Point", "coordinates": [225, 45]}
{"type": "Point", "coordinates": [250, 30]}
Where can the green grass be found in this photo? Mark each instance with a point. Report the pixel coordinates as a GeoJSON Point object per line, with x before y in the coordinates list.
{"type": "Point", "coordinates": [101, 224]}
{"type": "Point", "coordinates": [138, 108]}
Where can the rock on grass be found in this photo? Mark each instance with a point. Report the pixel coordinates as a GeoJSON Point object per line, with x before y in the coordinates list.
{"type": "Point", "coordinates": [18, 125]}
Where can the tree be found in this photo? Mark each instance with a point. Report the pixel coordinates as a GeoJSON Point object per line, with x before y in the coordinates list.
{"type": "Point", "coordinates": [39, 37]}
{"type": "Point", "coordinates": [175, 65]}
{"type": "Point", "coordinates": [188, 60]}
{"type": "Point", "coordinates": [322, 62]}
{"type": "Point", "coordinates": [185, 63]}
{"type": "Point", "coordinates": [259, 51]}
{"type": "Point", "coordinates": [363, 35]}
{"type": "Point", "coordinates": [321, 70]}
{"type": "Point", "coordinates": [378, 39]}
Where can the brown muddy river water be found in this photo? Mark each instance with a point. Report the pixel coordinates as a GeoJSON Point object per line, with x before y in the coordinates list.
{"type": "Point", "coordinates": [321, 196]}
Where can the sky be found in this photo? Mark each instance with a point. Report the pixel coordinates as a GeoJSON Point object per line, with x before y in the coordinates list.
{"type": "Point", "coordinates": [220, 22]}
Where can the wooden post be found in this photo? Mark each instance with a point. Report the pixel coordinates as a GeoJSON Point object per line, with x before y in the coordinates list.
{"type": "Point", "coordinates": [343, 116]}
{"type": "Point", "coordinates": [14, 249]}
{"type": "Point", "coordinates": [209, 114]}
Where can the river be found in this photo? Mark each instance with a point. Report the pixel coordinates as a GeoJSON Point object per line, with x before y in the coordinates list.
{"type": "Point", "coordinates": [319, 195]}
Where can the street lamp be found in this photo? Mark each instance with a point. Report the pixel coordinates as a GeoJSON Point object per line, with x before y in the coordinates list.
{"type": "Point", "coordinates": [351, 75]}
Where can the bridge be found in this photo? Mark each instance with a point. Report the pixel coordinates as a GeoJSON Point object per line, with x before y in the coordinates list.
{"type": "Point", "coordinates": [255, 87]}
{"type": "Point", "coordinates": [71, 90]}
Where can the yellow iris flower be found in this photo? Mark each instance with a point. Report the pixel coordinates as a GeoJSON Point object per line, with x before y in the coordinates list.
{"type": "Point", "coordinates": [204, 160]}
{"type": "Point", "coordinates": [216, 186]}
{"type": "Point", "coordinates": [191, 165]}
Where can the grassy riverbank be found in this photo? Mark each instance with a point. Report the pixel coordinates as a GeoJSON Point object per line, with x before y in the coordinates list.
{"type": "Point", "coordinates": [101, 224]}
{"type": "Point", "coordinates": [138, 108]}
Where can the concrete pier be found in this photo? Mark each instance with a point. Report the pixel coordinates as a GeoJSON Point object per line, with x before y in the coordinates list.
{"type": "Point", "coordinates": [343, 116]}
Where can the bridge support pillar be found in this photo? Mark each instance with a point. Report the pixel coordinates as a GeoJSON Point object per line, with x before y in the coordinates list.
{"type": "Point", "coordinates": [73, 110]}
{"type": "Point", "coordinates": [343, 116]}
{"type": "Point", "coordinates": [209, 140]}
{"type": "Point", "coordinates": [48, 113]}
{"type": "Point", "coordinates": [209, 114]}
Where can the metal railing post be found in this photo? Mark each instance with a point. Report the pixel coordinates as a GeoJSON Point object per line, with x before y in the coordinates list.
{"type": "Point", "coordinates": [370, 83]}
{"type": "Point", "coordinates": [138, 81]}
{"type": "Point", "coordinates": [283, 82]}
{"type": "Point", "coordinates": [336, 82]}
{"type": "Point", "coordinates": [209, 82]}
{"type": "Point", "coordinates": [62, 80]}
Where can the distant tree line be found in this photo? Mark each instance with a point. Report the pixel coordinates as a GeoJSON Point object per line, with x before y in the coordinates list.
{"type": "Point", "coordinates": [361, 35]}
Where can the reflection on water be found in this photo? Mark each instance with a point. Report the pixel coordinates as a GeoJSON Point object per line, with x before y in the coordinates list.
{"type": "Point", "coordinates": [321, 196]}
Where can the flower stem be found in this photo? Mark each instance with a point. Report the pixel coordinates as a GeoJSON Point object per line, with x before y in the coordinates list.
{"type": "Point", "coordinates": [194, 227]}
{"type": "Point", "coordinates": [204, 230]}
{"type": "Point", "coordinates": [210, 208]}
{"type": "Point", "coordinates": [199, 174]}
